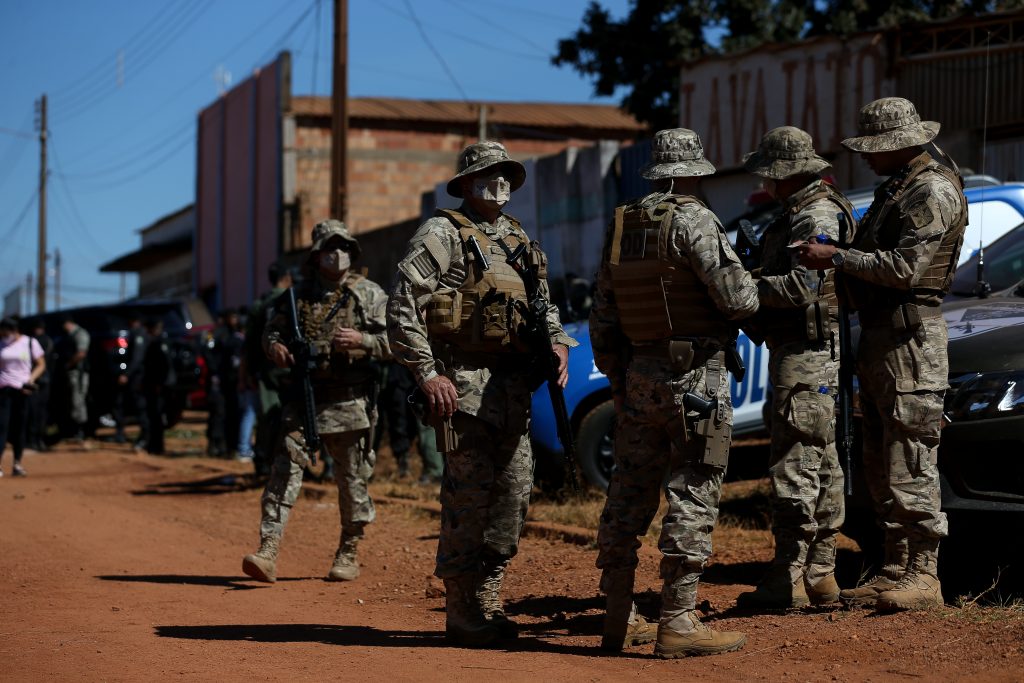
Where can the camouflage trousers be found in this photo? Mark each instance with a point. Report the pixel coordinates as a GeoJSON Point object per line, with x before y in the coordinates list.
{"type": "Point", "coordinates": [650, 442]}
{"type": "Point", "coordinates": [485, 494]}
{"type": "Point", "coordinates": [78, 396]}
{"type": "Point", "coordinates": [353, 467]}
{"type": "Point", "coordinates": [807, 482]}
{"type": "Point", "coordinates": [902, 382]}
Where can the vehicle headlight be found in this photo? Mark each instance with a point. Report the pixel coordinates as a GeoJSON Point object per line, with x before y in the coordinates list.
{"type": "Point", "coordinates": [989, 395]}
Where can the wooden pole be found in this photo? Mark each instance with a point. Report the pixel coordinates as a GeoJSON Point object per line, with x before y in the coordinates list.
{"type": "Point", "coordinates": [41, 266]}
{"type": "Point", "coordinates": [339, 113]}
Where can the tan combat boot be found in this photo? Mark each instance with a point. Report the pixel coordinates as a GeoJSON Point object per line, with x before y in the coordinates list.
{"type": "Point", "coordinates": [464, 622]}
{"type": "Point", "coordinates": [918, 588]}
{"type": "Point", "coordinates": [686, 636]}
{"type": "Point", "coordinates": [864, 595]}
{"type": "Point", "coordinates": [262, 564]}
{"type": "Point", "coordinates": [781, 588]}
{"type": "Point", "coordinates": [345, 567]}
{"type": "Point", "coordinates": [623, 626]}
{"type": "Point", "coordinates": [824, 592]}
{"type": "Point", "coordinates": [488, 593]}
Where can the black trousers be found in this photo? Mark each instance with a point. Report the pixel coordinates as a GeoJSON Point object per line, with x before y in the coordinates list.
{"type": "Point", "coordinates": [155, 417]}
{"type": "Point", "coordinates": [36, 415]}
{"type": "Point", "coordinates": [12, 420]}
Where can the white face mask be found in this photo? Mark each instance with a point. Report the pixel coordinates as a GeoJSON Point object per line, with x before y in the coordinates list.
{"type": "Point", "coordinates": [493, 188]}
{"type": "Point", "coordinates": [334, 263]}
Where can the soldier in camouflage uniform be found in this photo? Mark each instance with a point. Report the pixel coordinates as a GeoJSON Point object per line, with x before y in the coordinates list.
{"type": "Point", "coordinates": [797, 322]}
{"type": "Point", "coordinates": [454, 322]}
{"type": "Point", "coordinates": [341, 315]}
{"type": "Point", "coordinates": [895, 275]}
{"type": "Point", "coordinates": [664, 350]}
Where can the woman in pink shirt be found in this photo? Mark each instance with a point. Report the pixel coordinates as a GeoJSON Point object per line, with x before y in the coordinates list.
{"type": "Point", "coordinates": [21, 364]}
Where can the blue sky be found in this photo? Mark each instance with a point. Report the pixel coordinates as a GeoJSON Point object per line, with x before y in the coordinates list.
{"type": "Point", "coordinates": [126, 79]}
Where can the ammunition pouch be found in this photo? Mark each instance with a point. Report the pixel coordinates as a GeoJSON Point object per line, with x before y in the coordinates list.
{"type": "Point", "coordinates": [444, 314]}
{"type": "Point", "coordinates": [902, 319]}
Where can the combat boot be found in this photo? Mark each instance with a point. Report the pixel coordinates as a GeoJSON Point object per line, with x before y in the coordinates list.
{"type": "Point", "coordinates": [262, 564]}
{"type": "Point", "coordinates": [864, 595]}
{"type": "Point", "coordinates": [345, 567]}
{"type": "Point", "coordinates": [488, 594]}
{"type": "Point", "coordinates": [781, 588]}
{"type": "Point", "coordinates": [824, 592]}
{"type": "Point", "coordinates": [918, 588]}
{"type": "Point", "coordinates": [686, 636]}
{"type": "Point", "coordinates": [623, 626]}
{"type": "Point", "coordinates": [464, 623]}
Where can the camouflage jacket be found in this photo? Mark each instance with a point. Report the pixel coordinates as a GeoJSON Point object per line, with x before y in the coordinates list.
{"type": "Point", "coordinates": [697, 241]}
{"type": "Point", "coordinates": [407, 328]}
{"type": "Point", "coordinates": [348, 411]}
{"type": "Point", "coordinates": [784, 283]}
{"type": "Point", "coordinates": [926, 210]}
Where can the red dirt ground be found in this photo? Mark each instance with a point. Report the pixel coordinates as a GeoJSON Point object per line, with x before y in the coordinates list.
{"type": "Point", "coordinates": [127, 567]}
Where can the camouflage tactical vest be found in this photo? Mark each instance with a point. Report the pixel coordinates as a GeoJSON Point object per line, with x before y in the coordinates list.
{"type": "Point", "coordinates": [880, 230]}
{"type": "Point", "coordinates": [321, 314]}
{"type": "Point", "coordinates": [658, 298]}
{"type": "Point", "coordinates": [812, 322]}
{"type": "Point", "coordinates": [482, 314]}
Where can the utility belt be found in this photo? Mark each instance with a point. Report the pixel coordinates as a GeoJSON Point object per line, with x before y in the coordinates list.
{"type": "Point", "coordinates": [336, 393]}
{"type": "Point", "coordinates": [454, 357]}
{"type": "Point", "coordinates": [687, 354]}
{"type": "Point", "coordinates": [902, 318]}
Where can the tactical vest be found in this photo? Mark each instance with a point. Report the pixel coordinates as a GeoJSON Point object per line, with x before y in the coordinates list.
{"type": "Point", "coordinates": [814, 321]}
{"type": "Point", "coordinates": [482, 315]}
{"type": "Point", "coordinates": [319, 317]}
{"type": "Point", "coordinates": [880, 230]}
{"type": "Point", "coordinates": [658, 299]}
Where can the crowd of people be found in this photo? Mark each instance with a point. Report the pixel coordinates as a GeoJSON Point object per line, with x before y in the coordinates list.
{"type": "Point", "coordinates": [670, 296]}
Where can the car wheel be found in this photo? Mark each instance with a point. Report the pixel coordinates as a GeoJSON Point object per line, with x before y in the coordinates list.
{"type": "Point", "coordinates": [596, 445]}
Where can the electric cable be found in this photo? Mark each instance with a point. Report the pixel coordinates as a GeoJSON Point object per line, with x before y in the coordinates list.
{"type": "Point", "coordinates": [430, 45]}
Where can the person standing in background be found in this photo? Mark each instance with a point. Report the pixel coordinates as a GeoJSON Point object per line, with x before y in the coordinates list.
{"type": "Point", "coordinates": [21, 364]}
{"type": "Point", "coordinates": [39, 400]}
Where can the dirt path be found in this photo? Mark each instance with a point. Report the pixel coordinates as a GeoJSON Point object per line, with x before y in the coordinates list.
{"type": "Point", "coordinates": [124, 567]}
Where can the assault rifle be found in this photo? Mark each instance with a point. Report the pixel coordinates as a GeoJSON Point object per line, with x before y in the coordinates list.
{"type": "Point", "coordinates": [538, 336]}
{"type": "Point", "coordinates": [302, 368]}
{"type": "Point", "coordinates": [844, 428]}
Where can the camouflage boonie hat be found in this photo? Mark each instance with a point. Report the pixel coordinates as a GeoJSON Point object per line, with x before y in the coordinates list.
{"type": "Point", "coordinates": [480, 156]}
{"type": "Point", "coordinates": [676, 153]}
{"type": "Point", "coordinates": [784, 152]}
{"type": "Point", "coordinates": [890, 124]}
{"type": "Point", "coordinates": [325, 230]}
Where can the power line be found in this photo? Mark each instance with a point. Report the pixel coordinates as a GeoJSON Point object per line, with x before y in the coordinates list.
{"type": "Point", "coordinates": [463, 38]}
{"type": "Point", "coordinates": [187, 142]}
{"type": "Point", "coordinates": [316, 45]}
{"type": "Point", "coordinates": [21, 217]}
{"type": "Point", "coordinates": [273, 49]}
{"type": "Point", "coordinates": [176, 94]}
{"type": "Point", "coordinates": [468, 9]}
{"type": "Point", "coordinates": [71, 201]}
{"type": "Point", "coordinates": [118, 166]}
{"type": "Point", "coordinates": [426, 39]}
{"type": "Point", "coordinates": [169, 38]}
{"type": "Point", "coordinates": [17, 133]}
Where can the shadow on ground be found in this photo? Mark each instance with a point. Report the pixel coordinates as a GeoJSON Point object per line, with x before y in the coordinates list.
{"type": "Point", "coordinates": [210, 486]}
{"type": "Point", "coordinates": [353, 636]}
{"type": "Point", "coordinates": [232, 582]}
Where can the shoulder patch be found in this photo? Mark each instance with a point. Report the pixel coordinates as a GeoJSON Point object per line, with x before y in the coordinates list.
{"type": "Point", "coordinates": [433, 245]}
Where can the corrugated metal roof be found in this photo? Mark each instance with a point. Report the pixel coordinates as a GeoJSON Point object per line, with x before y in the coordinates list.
{"type": "Point", "coordinates": [527, 114]}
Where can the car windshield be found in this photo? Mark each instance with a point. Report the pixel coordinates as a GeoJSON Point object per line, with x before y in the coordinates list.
{"type": "Point", "coordinates": [1004, 265]}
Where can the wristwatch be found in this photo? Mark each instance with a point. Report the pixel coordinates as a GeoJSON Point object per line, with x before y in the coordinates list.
{"type": "Point", "coordinates": [838, 258]}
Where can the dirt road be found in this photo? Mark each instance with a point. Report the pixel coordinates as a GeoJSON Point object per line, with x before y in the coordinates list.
{"type": "Point", "coordinates": [117, 566]}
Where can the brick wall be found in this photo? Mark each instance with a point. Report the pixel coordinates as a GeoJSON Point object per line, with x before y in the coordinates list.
{"type": "Point", "coordinates": [388, 170]}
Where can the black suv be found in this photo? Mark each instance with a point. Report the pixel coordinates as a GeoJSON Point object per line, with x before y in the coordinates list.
{"type": "Point", "coordinates": [185, 320]}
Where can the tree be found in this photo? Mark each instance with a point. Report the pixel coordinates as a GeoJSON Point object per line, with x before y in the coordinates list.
{"type": "Point", "coordinates": [643, 52]}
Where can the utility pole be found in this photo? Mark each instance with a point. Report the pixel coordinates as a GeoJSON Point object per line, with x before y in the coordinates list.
{"type": "Point", "coordinates": [56, 279]}
{"type": "Point", "coordinates": [481, 132]}
{"type": "Point", "coordinates": [28, 292]}
{"type": "Point", "coordinates": [339, 113]}
{"type": "Point", "coordinates": [41, 267]}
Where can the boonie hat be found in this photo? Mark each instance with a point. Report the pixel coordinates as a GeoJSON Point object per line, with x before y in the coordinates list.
{"type": "Point", "coordinates": [782, 153]}
{"type": "Point", "coordinates": [483, 155]}
{"type": "Point", "coordinates": [890, 124]}
{"type": "Point", "coordinates": [676, 153]}
{"type": "Point", "coordinates": [330, 228]}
